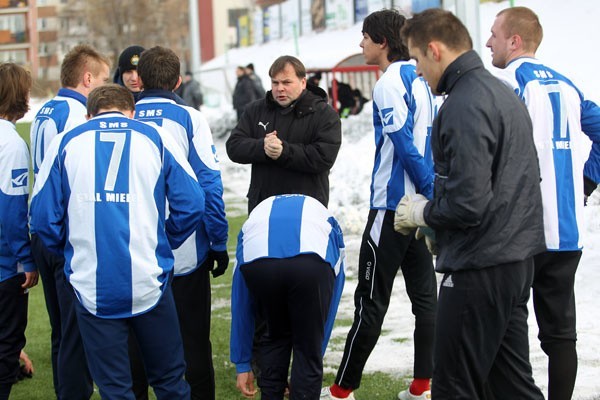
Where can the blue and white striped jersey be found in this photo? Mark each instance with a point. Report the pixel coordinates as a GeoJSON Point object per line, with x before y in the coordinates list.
{"type": "Point", "coordinates": [403, 113]}
{"type": "Point", "coordinates": [100, 196]}
{"type": "Point", "coordinates": [64, 112]}
{"type": "Point", "coordinates": [190, 130]}
{"type": "Point", "coordinates": [560, 117]}
{"type": "Point", "coordinates": [282, 226]}
{"type": "Point", "coordinates": [15, 251]}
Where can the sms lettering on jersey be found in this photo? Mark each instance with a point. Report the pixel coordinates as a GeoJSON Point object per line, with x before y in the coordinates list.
{"type": "Point", "coordinates": [149, 113]}
{"type": "Point", "coordinates": [113, 125]}
{"type": "Point", "coordinates": [46, 111]}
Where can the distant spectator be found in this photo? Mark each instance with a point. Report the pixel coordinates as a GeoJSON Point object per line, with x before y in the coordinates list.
{"type": "Point", "coordinates": [258, 86]}
{"type": "Point", "coordinates": [315, 79]}
{"type": "Point", "coordinates": [244, 92]}
{"type": "Point", "coordinates": [350, 100]}
{"type": "Point", "coordinates": [191, 92]}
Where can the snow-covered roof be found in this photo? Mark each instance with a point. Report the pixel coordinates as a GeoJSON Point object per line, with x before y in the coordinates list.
{"type": "Point", "coordinates": [317, 50]}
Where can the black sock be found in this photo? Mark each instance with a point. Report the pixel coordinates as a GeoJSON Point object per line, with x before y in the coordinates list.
{"type": "Point", "coordinates": [562, 369]}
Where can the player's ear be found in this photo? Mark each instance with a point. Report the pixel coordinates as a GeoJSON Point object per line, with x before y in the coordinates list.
{"type": "Point", "coordinates": [178, 83]}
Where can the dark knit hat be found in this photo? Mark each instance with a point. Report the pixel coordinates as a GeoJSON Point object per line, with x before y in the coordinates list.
{"type": "Point", "coordinates": [129, 58]}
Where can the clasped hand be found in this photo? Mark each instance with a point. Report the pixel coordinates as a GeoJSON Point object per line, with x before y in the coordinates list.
{"type": "Point", "coordinates": [273, 145]}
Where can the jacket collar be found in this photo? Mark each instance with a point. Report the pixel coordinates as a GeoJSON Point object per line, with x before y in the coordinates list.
{"type": "Point", "coordinates": [165, 94]}
{"type": "Point", "coordinates": [302, 105]}
{"type": "Point", "coordinates": [64, 92]}
{"type": "Point", "coordinates": [458, 68]}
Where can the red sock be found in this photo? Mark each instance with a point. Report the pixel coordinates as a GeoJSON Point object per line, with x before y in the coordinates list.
{"type": "Point", "coordinates": [339, 392]}
{"type": "Point", "coordinates": [418, 386]}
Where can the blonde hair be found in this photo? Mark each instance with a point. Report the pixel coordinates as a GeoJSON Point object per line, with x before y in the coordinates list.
{"type": "Point", "coordinates": [76, 62]}
{"type": "Point", "coordinates": [523, 22]}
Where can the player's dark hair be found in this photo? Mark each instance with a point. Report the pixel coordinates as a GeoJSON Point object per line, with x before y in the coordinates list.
{"type": "Point", "coordinates": [435, 24]}
{"type": "Point", "coordinates": [109, 96]}
{"type": "Point", "coordinates": [159, 68]}
{"type": "Point", "coordinates": [385, 25]}
{"type": "Point", "coordinates": [280, 64]}
{"type": "Point", "coordinates": [15, 84]}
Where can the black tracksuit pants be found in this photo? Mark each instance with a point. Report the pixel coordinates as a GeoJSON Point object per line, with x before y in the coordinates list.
{"type": "Point", "coordinates": [481, 346]}
{"type": "Point", "coordinates": [383, 251]}
{"type": "Point", "coordinates": [292, 297]}
{"type": "Point", "coordinates": [193, 302]}
{"type": "Point", "coordinates": [72, 378]}
{"type": "Point", "coordinates": [554, 305]}
{"type": "Point", "coordinates": [13, 321]}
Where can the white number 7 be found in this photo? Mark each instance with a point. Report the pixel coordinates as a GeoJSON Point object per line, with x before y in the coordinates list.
{"type": "Point", "coordinates": [118, 138]}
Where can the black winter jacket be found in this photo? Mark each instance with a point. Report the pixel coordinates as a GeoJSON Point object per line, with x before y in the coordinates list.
{"type": "Point", "coordinates": [310, 130]}
{"type": "Point", "coordinates": [244, 93]}
{"type": "Point", "coordinates": [487, 206]}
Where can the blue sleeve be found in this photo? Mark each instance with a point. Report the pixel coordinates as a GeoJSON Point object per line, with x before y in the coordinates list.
{"type": "Point", "coordinates": [186, 201]}
{"type": "Point", "coordinates": [13, 205]}
{"type": "Point", "coordinates": [242, 323]}
{"type": "Point", "coordinates": [209, 177]}
{"type": "Point", "coordinates": [338, 288]}
{"type": "Point", "coordinates": [590, 124]}
{"type": "Point", "coordinates": [415, 165]}
{"type": "Point", "coordinates": [214, 218]}
{"type": "Point", "coordinates": [47, 205]}
{"type": "Point", "coordinates": [404, 102]}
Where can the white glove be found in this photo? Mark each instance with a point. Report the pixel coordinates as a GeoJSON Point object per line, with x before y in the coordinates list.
{"type": "Point", "coordinates": [429, 236]}
{"type": "Point", "coordinates": [409, 213]}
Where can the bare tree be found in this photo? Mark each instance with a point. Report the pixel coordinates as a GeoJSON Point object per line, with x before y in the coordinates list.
{"type": "Point", "coordinates": [113, 25]}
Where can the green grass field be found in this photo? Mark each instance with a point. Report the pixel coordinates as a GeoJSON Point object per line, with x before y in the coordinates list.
{"type": "Point", "coordinates": [374, 386]}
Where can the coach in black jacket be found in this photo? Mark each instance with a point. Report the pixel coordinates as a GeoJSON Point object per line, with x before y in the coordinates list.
{"type": "Point", "coordinates": [486, 214]}
{"type": "Point", "coordinates": [291, 137]}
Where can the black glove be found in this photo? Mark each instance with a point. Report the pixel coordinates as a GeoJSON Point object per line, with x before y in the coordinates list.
{"type": "Point", "coordinates": [589, 186]}
{"type": "Point", "coordinates": [221, 258]}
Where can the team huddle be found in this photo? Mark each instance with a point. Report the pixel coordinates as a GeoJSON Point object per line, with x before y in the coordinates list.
{"type": "Point", "coordinates": [126, 222]}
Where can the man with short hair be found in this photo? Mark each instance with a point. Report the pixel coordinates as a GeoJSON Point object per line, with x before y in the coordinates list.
{"type": "Point", "coordinates": [403, 111]}
{"type": "Point", "coordinates": [561, 119]}
{"type": "Point", "coordinates": [486, 213]}
{"type": "Point", "coordinates": [101, 197]}
{"type": "Point", "coordinates": [205, 251]}
{"type": "Point", "coordinates": [256, 81]}
{"type": "Point", "coordinates": [244, 92]}
{"type": "Point", "coordinates": [291, 137]}
{"type": "Point", "coordinates": [191, 93]}
{"type": "Point", "coordinates": [82, 70]}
